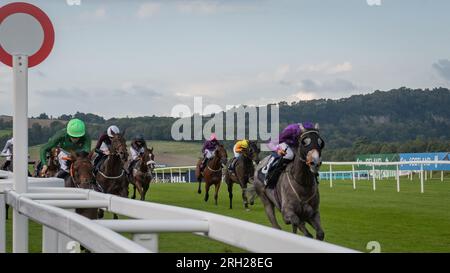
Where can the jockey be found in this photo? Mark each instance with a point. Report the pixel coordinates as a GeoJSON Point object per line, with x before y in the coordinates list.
{"type": "Point", "coordinates": [70, 140]}
{"type": "Point", "coordinates": [208, 149]}
{"type": "Point", "coordinates": [282, 152]}
{"type": "Point", "coordinates": [138, 146]}
{"type": "Point", "coordinates": [238, 148]}
{"type": "Point", "coordinates": [103, 146]}
{"type": "Point", "coordinates": [7, 152]}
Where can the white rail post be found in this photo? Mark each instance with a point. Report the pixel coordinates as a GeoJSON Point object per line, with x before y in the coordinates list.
{"type": "Point", "coordinates": [49, 240]}
{"type": "Point", "coordinates": [421, 178]}
{"type": "Point", "coordinates": [426, 175]}
{"type": "Point", "coordinates": [2, 224]}
{"type": "Point", "coordinates": [353, 176]}
{"type": "Point", "coordinates": [179, 175]}
{"type": "Point", "coordinates": [162, 179]}
{"type": "Point", "coordinates": [398, 179]}
{"type": "Point", "coordinates": [149, 241]}
{"type": "Point", "coordinates": [411, 177]}
{"type": "Point", "coordinates": [171, 175]}
{"type": "Point", "coordinates": [189, 174]}
{"type": "Point", "coordinates": [20, 148]}
{"type": "Point", "coordinates": [431, 174]}
{"type": "Point", "coordinates": [373, 178]}
{"type": "Point", "coordinates": [331, 177]}
{"type": "Point", "coordinates": [442, 176]}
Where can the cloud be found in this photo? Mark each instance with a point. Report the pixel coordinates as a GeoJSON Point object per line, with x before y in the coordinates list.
{"type": "Point", "coordinates": [327, 68]}
{"type": "Point", "coordinates": [148, 9]}
{"type": "Point", "coordinates": [97, 14]}
{"type": "Point", "coordinates": [443, 68]}
{"type": "Point", "coordinates": [308, 89]}
{"type": "Point", "coordinates": [62, 93]}
{"type": "Point", "coordinates": [214, 6]}
{"type": "Point", "coordinates": [373, 2]}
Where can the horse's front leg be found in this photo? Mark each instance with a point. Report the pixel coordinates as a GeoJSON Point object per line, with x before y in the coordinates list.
{"type": "Point", "coordinates": [315, 223]}
{"type": "Point", "coordinates": [134, 192]}
{"type": "Point", "coordinates": [207, 185]}
{"type": "Point", "coordinates": [199, 186]}
{"type": "Point", "coordinates": [244, 193]}
{"type": "Point", "coordinates": [304, 230]}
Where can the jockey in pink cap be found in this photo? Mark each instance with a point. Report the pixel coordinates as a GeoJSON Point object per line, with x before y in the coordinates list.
{"type": "Point", "coordinates": [208, 149]}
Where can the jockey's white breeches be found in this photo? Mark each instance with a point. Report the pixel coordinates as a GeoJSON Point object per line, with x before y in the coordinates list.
{"type": "Point", "coordinates": [62, 161]}
{"type": "Point", "coordinates": [209, 154]}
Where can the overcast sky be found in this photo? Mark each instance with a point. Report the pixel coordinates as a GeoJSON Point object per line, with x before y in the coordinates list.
{"type": "Point", "coordinates": [119, 58]}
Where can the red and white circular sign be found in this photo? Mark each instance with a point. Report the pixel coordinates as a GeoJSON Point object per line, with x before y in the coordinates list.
{"type": "Point", "coordinates": [25, 29]}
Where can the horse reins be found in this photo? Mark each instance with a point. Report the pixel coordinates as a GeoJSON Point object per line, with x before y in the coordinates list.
{"type": "Point", "coordinates": [296, 194]}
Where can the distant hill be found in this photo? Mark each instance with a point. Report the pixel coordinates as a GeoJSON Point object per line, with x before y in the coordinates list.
{"type": "Point", "coordinates": [31, 121]}
{"type": "Point", "coordinates": [398, 120]}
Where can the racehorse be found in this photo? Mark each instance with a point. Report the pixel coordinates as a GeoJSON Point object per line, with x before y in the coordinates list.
{"type": "Point", "coordinates": [296, 193]}
{"type": "Point", "coordinates": [53, 165]}
{"type": "Point", "coordinates": [142, 173]}
{"type": "Point", "coordinates": [81, 176]}
{"type": "Point", "coordinates": [243, 172]}
{"type": "Point", "coordinates": [212, 173]}
{"type": "Point", "coordinates": [111, 175]}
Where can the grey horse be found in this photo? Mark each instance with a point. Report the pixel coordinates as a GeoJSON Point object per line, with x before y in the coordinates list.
{"type": "Point", "coordinates": [296, 193]}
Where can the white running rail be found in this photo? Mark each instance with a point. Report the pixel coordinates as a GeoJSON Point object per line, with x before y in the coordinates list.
{"type": "Point", "coordinates": [48, 203]}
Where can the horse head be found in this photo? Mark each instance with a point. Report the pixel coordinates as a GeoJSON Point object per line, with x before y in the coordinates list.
{"type": "Point", "coordinates": [222, 154]}
{"type": "Point", "coordinates": [81, 170]}
{"type": "Point", "coordinates": [254, 151]}
{"type": "Point", "coordinates": [151, 160]}
{"type": "Point", "coordinates": [310, 146]}
{"type": "Point", "coordinates": [119, 147]}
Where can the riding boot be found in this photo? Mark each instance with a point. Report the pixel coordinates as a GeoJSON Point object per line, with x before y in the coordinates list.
{"type": "Point", "coordinates": [203, 164]}
{"type": "Point", "coordinates": [97, 162]}
{"type": "Point", "coordinates": [232, 164]}
{"type": "Point", "coordinates": [6, 165]}
{"type": "Point", "coordinates": [62, 174]}
{"type": "Point", "coordinates": [130, 167]}
{"type": "Point", "coordinates": [274, 172]}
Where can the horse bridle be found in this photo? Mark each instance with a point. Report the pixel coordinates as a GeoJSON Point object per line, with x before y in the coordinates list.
{"type": "Point", "coordinates": [80, 183]}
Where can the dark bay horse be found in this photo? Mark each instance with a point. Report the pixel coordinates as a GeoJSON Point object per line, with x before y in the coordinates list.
{"type": "Point", "coordinates": [212, 173]}
{"type": "Point", "coordinates": [111, 175]}
{"type": "Point", "coordinates": [243, 172]}
{"type": "Point", "coordinates": [52, 167]}
{"type": "Point", "coordinates": [142, 173]}
{"type": "Point", "coordinates": [296, 193]}
{"type": "Point", "coordinates": [81, 176]}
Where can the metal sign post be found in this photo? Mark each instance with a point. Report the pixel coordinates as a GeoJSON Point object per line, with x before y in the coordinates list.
{"type": "Point", "coordinates": [26, 39]}
{"type": "Point", "coordinates": [20, 148]}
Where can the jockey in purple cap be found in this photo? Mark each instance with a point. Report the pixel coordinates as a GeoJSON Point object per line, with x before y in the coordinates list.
{"type": "Point", "coordinates": [283, 150]}
{"type": "Point", "coordinates": [208, 149]}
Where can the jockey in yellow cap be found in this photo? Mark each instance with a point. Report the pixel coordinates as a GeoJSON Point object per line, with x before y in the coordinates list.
{"type": "Point", "coordinates": [238, 148]}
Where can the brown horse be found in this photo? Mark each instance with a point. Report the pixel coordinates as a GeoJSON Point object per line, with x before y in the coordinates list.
{"type": "Point", "coordinates": [53, 165]}
{"type": "Point", "coordinates": [81, 176]}
{"type": "Point", "coordinates": [111, 175]}
{"type": "Point", "coordinates": [212, 172]}
{"type": "Point", "coordinates": [142, 173]}
{"type": "Point", "coordinates": [243, 172]}
{"type": "Point", "coordinates": [296, 193]}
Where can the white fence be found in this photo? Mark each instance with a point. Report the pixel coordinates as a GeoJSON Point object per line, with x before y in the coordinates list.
{"type": "Point", "coordinates": [48, 203]}
{"type": "Point", "coordinates": [184, 173]}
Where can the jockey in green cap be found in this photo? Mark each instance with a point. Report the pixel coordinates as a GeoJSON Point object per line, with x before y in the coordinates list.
{"type": "Point", "coordinates": [70, 140]}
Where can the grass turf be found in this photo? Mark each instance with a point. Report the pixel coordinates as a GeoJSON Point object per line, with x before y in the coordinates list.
{"type": "Point", "coordinates": [407, 221]}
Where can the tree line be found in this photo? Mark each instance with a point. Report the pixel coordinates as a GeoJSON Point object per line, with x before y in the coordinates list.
{"type": "Point", "coordinates": [399, 120]}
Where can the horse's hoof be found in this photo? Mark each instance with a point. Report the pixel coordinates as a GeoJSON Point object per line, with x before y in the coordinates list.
{"type": "Point", "coordinates": [247, 209]}
{"type": "Point", "coordinates": [199, 192]}
{"type": "Point", "coordinates": [252, 203]}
